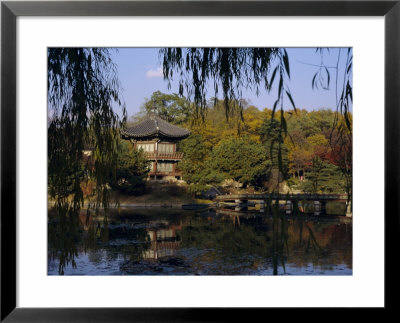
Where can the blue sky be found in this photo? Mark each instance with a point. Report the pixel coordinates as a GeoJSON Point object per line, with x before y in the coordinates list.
{"type": "Point", "coordinates": [139, 71]}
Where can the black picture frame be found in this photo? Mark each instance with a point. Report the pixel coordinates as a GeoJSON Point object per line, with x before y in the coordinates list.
{"type": "Point", "coordinates": [10, 10]}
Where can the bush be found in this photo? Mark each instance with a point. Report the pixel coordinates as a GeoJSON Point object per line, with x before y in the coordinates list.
{"type": "Point", "coordinates": [131, 171]}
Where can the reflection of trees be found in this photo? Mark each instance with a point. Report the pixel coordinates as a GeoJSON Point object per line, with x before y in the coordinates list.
{"type": "Point", "coordinates": [224, 235]}
{"type": "Point", "coordinates": [230, 240]}
{"type": "Point", "coordinates": [275, 241]}
{"type": "Point", "coordinates": [99, 237]}
{"type": "Point", "coordinates": [320, 243]}
{"type": "Point", "coordinates": [280, 249]}
{"type": "Point", "coordinates": [91, 236]}
{"type": "Point", "coordinates": [228, 244]}
{"type": "Point", "coordinates": [83, 89]}
{"type": "Point", "coordinates": [63, 239]}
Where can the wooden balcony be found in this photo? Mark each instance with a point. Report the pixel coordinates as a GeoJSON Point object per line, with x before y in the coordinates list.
{"type": "Point", "coordinates": [164, 156]}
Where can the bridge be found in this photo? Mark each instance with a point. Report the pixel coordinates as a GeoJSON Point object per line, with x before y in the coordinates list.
{"type": "Point", "coordinates": [241, 201]}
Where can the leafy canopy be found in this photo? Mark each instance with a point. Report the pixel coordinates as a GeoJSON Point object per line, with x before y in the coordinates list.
{"type": "Point", "coordinates": [230, 70]}
{"type": "Point", "coordinates": [173, 108]}
{"type": "Point", "coordinates": [131, 171]}
{"type": "Point", "coordinates": [83, 87]}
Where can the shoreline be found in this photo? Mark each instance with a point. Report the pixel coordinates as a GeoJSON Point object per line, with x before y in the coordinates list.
{"type": "Point", "coordinates": [136, 205]}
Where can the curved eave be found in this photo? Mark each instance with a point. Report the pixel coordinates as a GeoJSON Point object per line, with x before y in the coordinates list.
{"type": "Point", "coordinates": [154, 135]}
{"type": "Point", "coordinates": [155, 127]}
{"type": "Point", "coordinates": [164, 135]}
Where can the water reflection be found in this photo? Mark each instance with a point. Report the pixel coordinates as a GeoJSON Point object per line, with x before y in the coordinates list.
{"type": "Point", "coordinates": [177, 242]}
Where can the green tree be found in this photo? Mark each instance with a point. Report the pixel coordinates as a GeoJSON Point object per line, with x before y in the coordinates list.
{"type": "Point", "coordinates": [82, 89]}
{"type": "Point", "coordinates": [241, 159]}
{"type": "Point", "coordinates": [230, 70]}
{"type": "Point", "coordinates": [173, 108]}
{"type": "Point", "coordinates": [195, 154]}
{"type": "Point", "coordinates": [272, 136]}
{"type": "Point", "coordinates": [131, 171]}
{"type": "Point", "coordinates": [235, 69]}
{"type": "Point", "coordinates": [194, 166]}
{"type": "Point", "coordinates": [323, 177]}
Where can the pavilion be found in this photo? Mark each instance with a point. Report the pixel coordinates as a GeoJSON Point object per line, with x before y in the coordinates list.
{"type": "Point", "coordinates": [158, 139]}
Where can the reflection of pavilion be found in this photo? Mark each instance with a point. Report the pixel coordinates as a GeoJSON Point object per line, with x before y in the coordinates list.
{"type": "Point", "coordinates": [164, 243]}
{"type": "Point", "coordinates": [163, 237]}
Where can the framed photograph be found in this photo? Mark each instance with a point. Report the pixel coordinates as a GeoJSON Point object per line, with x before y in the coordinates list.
{"type": "Point", "coordinates": [309, 225]}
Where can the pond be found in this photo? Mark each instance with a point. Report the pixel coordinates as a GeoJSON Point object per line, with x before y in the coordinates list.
{"type": "Point", "coordinates": [211, 242]}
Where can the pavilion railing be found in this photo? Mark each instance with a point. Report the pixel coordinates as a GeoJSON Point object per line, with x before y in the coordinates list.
{"type": "Point", "coordinates": [165, 156]}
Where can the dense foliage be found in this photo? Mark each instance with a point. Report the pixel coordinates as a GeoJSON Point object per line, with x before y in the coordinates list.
{"type": "Point", "coordinates": [311, 150]}
{"type": "Point", "coordinates": [171, 107]}
{"type": "Point", "coordinates": [242, 160]}
{"type": "Point", "coordinates": [235, 69]}
{"type": "Point", "coordinates": [313, 154]}
{"type": "Point", "coordinates": [323, 177]}
{"type": "Point", "coordinates": [82, 90]}
{"type": "Point", "coordinates": [131, 169]}
{"type": "Point", "coordinates": [230, 70]}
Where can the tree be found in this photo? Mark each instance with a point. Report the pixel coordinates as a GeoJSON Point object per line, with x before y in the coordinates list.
{"type": "Point", "coordinates": [252, 121]}
{"type": "Point", "coordinates": [82, 88]}
{"type": "Point", "coordinates": [300, 160]}
{"type": "Point", "coordinates": [272, 136]}
{"type": "Point", "coordinates": [232, 69]}
{"type": "Point", "coordinates": [195, 153]}
{"type": "Point", "coordinates": [323, 178]}
{"type": "Point", "coordinates": [322, 78]}
{"type": "Point", "coordinates": [131, 171]}
{"type": "Point", "coordinates": [171, 107]}
{"type": "Point", "coordinates": [341, 154]}
{"type": "Point", "coordinates": [242, 160]}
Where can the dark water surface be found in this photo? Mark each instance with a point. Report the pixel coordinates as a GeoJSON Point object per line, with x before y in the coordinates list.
{"type": "Point", "coordinates": [177, 242]}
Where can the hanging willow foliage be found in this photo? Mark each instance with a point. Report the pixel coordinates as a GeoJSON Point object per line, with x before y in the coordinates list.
{"type": "Point", "coordinates": [342, 132]}
{"type": "Point", "coordinates": [233, 69]}
{"type": "Point", "coordinates": [82, 89]}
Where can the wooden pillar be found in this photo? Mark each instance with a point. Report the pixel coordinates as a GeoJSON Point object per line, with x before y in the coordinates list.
{"type": "Point", "coordinates": [155, 167]}
{"type": "Point", "coordinates": [173, 168]}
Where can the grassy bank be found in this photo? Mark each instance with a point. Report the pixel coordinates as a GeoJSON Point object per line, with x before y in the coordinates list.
{"type": "Point", "coordinates": [155, 197]}
{"type": "Point", "coordinates": [158, 194]}
{"type": "Point", "coordinates": [170, 194]}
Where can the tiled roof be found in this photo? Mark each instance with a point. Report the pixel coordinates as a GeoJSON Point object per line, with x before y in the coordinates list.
{"type": "Point", "coordinates": [153, 126]}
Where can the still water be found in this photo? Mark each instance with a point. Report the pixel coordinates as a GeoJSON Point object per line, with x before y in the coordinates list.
{"type": "Point", "coordinates": [178, 242]}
